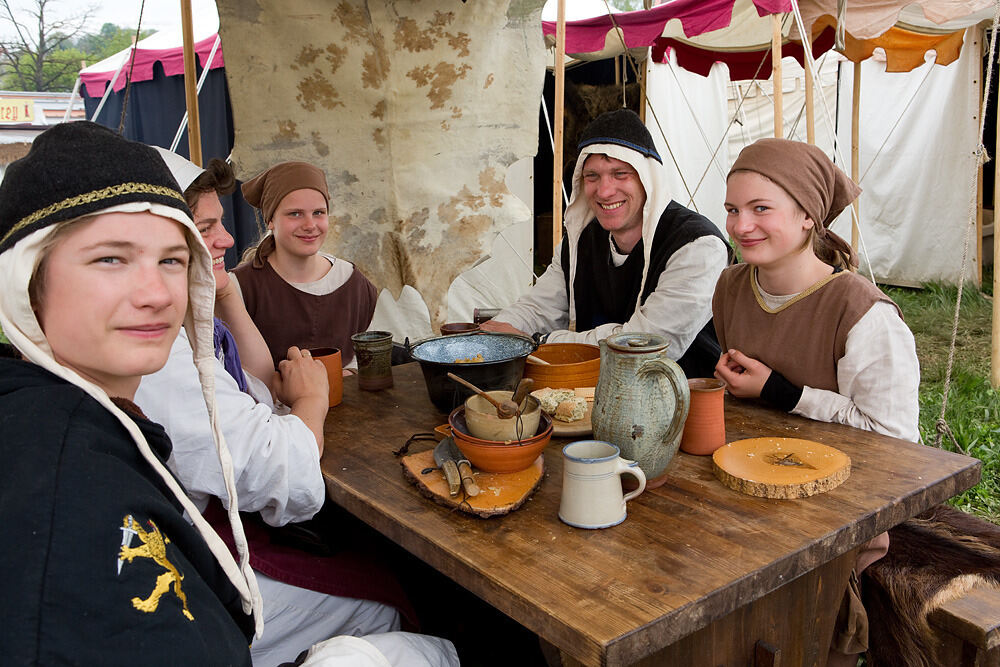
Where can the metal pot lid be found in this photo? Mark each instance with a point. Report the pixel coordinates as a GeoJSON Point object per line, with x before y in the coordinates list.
{"type": "Point", "coordinates": [493, 347]}
{"type": "Point", "coordinates": [637, 341]}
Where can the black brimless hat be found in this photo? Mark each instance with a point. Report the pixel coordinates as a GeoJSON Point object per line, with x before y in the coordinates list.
{"type": "Point", "coordinates": [622, 127]}
{"type": "Point", "coordinates": [80, 168]}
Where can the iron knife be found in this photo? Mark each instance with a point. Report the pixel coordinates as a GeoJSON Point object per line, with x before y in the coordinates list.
{"type": "Point", "coordinates": [464, 467]}
{"type": "Point", "coordinates": [448, 465]}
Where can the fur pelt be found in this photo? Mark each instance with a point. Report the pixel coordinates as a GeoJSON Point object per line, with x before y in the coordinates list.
{"type": "Point", "coordinates": [933, 558]}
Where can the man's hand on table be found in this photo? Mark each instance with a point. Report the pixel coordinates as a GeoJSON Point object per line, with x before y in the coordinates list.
{"type": "Point", "coordinates": [500, 327]}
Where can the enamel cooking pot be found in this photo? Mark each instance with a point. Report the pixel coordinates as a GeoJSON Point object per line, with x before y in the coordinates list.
{"type": "Point", "coordinates": [486, 359]}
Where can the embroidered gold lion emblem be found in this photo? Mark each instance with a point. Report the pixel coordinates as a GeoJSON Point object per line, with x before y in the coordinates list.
{"type": "Point", "coordinates": [154, 546]}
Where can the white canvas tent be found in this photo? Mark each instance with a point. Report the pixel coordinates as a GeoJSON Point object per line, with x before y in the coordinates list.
{"type": "Point", "coordinates": [917, 154]}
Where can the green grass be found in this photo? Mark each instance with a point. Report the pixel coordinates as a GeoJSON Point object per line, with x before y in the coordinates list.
{"type": "Point", "coordinates": [973, 411]}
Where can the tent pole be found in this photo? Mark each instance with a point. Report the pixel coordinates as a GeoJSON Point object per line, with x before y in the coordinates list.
{"type": "Point", "coordinates": [810, 103]}
{"type": "Point", "coordinates": [979, 175]}
{"type": "Point", "coordinates": [190, 90]}
{"type": "Point", "coordinates": [995, 355]}
{"type": "Point", "coordinates": [856, 149]}
{"type": "Point", "coordinates": [560, 72]}
{"type": "Point", "coordinates": [644, 73]}
{"type": "Point", "coordinates": [72, 96]}
{"type": "Point", "coordinates": [111, 83]}
{"type": "Point", "coordinates": [776, 74]}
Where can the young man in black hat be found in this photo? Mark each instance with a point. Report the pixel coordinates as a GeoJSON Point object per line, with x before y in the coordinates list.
{"type": "Point", "coordinates": [631, 259]}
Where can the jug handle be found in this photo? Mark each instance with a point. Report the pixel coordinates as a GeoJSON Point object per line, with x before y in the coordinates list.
{"type": "Point", "coordinates": [666, 373]}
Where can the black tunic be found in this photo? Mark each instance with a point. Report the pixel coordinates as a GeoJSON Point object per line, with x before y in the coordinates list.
{"type": "Point", "coordinates": [71, 479]}
{"type": "Point", "coordinates": [605, 293]}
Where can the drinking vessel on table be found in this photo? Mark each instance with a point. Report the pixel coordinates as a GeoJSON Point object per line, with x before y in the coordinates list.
{"type": "Point", "coordinates": [373, 350]}
{"type": "Point", "coordinates": [452, 328]}
{"type": "Point", "coordinates": [705, 426]}
{"type": "Point", "coordinates": [330, 357]}
{"type": "Point", "coordinates": [592, 492]}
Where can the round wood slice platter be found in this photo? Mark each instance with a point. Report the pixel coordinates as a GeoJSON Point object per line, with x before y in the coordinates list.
{"type": "Point", "coordinates": [561, 429]}
{"type": "Point", "coordinates": [500, 493]}
{"type": "Point", "coordinates": [780, 467]}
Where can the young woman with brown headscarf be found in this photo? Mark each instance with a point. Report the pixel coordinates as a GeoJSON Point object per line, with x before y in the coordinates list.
{"type": "Point", "coordinates": [801, 329]}
{"type": "Point", "coordinates": [296, 294]}
{"type": "Point", "coordinates": [798, 327]}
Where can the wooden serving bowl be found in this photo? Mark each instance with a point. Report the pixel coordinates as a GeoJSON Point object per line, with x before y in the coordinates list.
{"type": "Point", "coordinates": [496, 455]}
{"type": "Point", "coordinates": [571, 365]}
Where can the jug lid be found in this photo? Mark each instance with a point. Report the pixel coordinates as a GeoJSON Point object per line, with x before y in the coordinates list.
{"type": "Point", "coordinates": [637, 341]}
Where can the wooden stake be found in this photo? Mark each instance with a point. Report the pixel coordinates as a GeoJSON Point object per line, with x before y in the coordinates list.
{"type": "Point", "coordinates": [779, 130]}
{"type": "Point", "coordinates": [810, 104]}
{"type": "Point", "coordinates": [557, 129]}
{"type": "Point", "coordinates": [856, 149]}
{"type": "Point", "coordinates": [191, 84]}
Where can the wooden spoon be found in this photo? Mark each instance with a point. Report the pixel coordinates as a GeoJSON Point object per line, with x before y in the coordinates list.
{"type": "Point", "coordinates": [538, 360]}
{"type": "Point", "coordinates": [523, 387]}
{"type": "Point", "coordinates": [506, 409]}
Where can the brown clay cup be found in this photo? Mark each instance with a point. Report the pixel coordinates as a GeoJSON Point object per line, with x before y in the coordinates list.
{"type": "Point", "coordinates": [705, 428]}
{"type": "Point", "coordinates": [330, 356]}
{"type": "Point", "coordinates": [452, 328]}
{"type": "Point", "coordinates": [373, 350]}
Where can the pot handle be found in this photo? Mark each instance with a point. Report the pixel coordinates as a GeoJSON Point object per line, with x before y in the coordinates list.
{"type": "Point", "coordinates": [666, 372]}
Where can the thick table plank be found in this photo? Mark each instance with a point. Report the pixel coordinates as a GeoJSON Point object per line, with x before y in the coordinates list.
{"type": "Point", "coordinates": [691, 552]}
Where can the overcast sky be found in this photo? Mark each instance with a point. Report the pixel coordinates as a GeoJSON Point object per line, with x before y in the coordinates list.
{"type": "Point", "coordinates": [157, 14]}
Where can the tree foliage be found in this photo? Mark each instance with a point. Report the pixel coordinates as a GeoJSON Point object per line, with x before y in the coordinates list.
{"type": "Point", "coordinates": [46, 52]}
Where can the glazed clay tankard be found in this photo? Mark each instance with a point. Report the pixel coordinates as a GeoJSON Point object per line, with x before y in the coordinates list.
{"type": "Point", "coordinates": [641, 401]}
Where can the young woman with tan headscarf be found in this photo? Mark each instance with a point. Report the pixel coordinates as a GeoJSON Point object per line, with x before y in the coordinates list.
{"type": "Point", "coordinates": [801, 329]}
{"type": "Point", "coordinates": [296, 294]}
{"type": "Point", "coordinates": [798, 327]}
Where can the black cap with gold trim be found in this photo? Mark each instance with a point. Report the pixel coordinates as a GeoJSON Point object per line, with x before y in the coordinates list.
{"type": "Point", "coordinates": [76, 169]}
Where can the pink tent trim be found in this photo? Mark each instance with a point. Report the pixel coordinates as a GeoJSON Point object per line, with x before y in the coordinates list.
{"type": "Point", "coordinates": [643, 27]}
{"type": "Point", "coordinates": [172, 60]}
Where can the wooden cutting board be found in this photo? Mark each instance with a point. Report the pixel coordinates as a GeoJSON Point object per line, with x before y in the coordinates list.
{"type": "Point", "coordinates": [780, 467]}
{"type": "Point", "coordinates": [500, 493]}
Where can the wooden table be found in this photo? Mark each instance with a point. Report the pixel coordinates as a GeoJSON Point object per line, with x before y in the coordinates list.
{"type": "Point", "coordinates": [697, 574]}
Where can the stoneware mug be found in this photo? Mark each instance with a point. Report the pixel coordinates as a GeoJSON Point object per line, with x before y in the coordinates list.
{"type": "Point", "coordinates": [592, 494]}
{"type": "Point", "coordinates": [373, 350]}
{"type": "Point", "coordinates": [330, 357]}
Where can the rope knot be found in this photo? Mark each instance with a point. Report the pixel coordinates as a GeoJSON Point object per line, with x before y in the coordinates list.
{"type": "Point", "coordinates": [982, 156]}
{"type": "Point", "coordinates": [944, 430]}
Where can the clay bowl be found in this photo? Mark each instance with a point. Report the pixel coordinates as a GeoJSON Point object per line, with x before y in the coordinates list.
{"type": "Point", "coordinates": [572, 365]}
{"type": "Point", "coordinates": [483, 422]}
{"type": "Point", "coordinates": [495, 455]}
{"type": "Point", "coordinates": [452, 328]}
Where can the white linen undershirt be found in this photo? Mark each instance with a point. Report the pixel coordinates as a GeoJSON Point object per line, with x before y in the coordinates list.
{"type": "Point", "coordinates": [878, 376]}
{"type": "Point", "coordinates": [678, 308]}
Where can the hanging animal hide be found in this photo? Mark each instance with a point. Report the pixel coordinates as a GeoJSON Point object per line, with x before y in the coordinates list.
{"type": "Point", "coordinates": [414, 109]}
{"type": "Point", "coordinates": [935, 557]}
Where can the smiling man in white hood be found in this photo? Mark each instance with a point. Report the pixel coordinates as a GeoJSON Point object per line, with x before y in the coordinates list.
{"type": "Point", "coordinates": [631, 259]}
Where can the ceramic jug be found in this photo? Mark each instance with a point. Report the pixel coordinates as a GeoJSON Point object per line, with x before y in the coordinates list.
{"type": "Point", "coordinates": [641, 401]}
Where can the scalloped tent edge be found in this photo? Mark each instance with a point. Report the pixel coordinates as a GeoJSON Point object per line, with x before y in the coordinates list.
{"type": "Point", "coordinates": [705, 32]}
